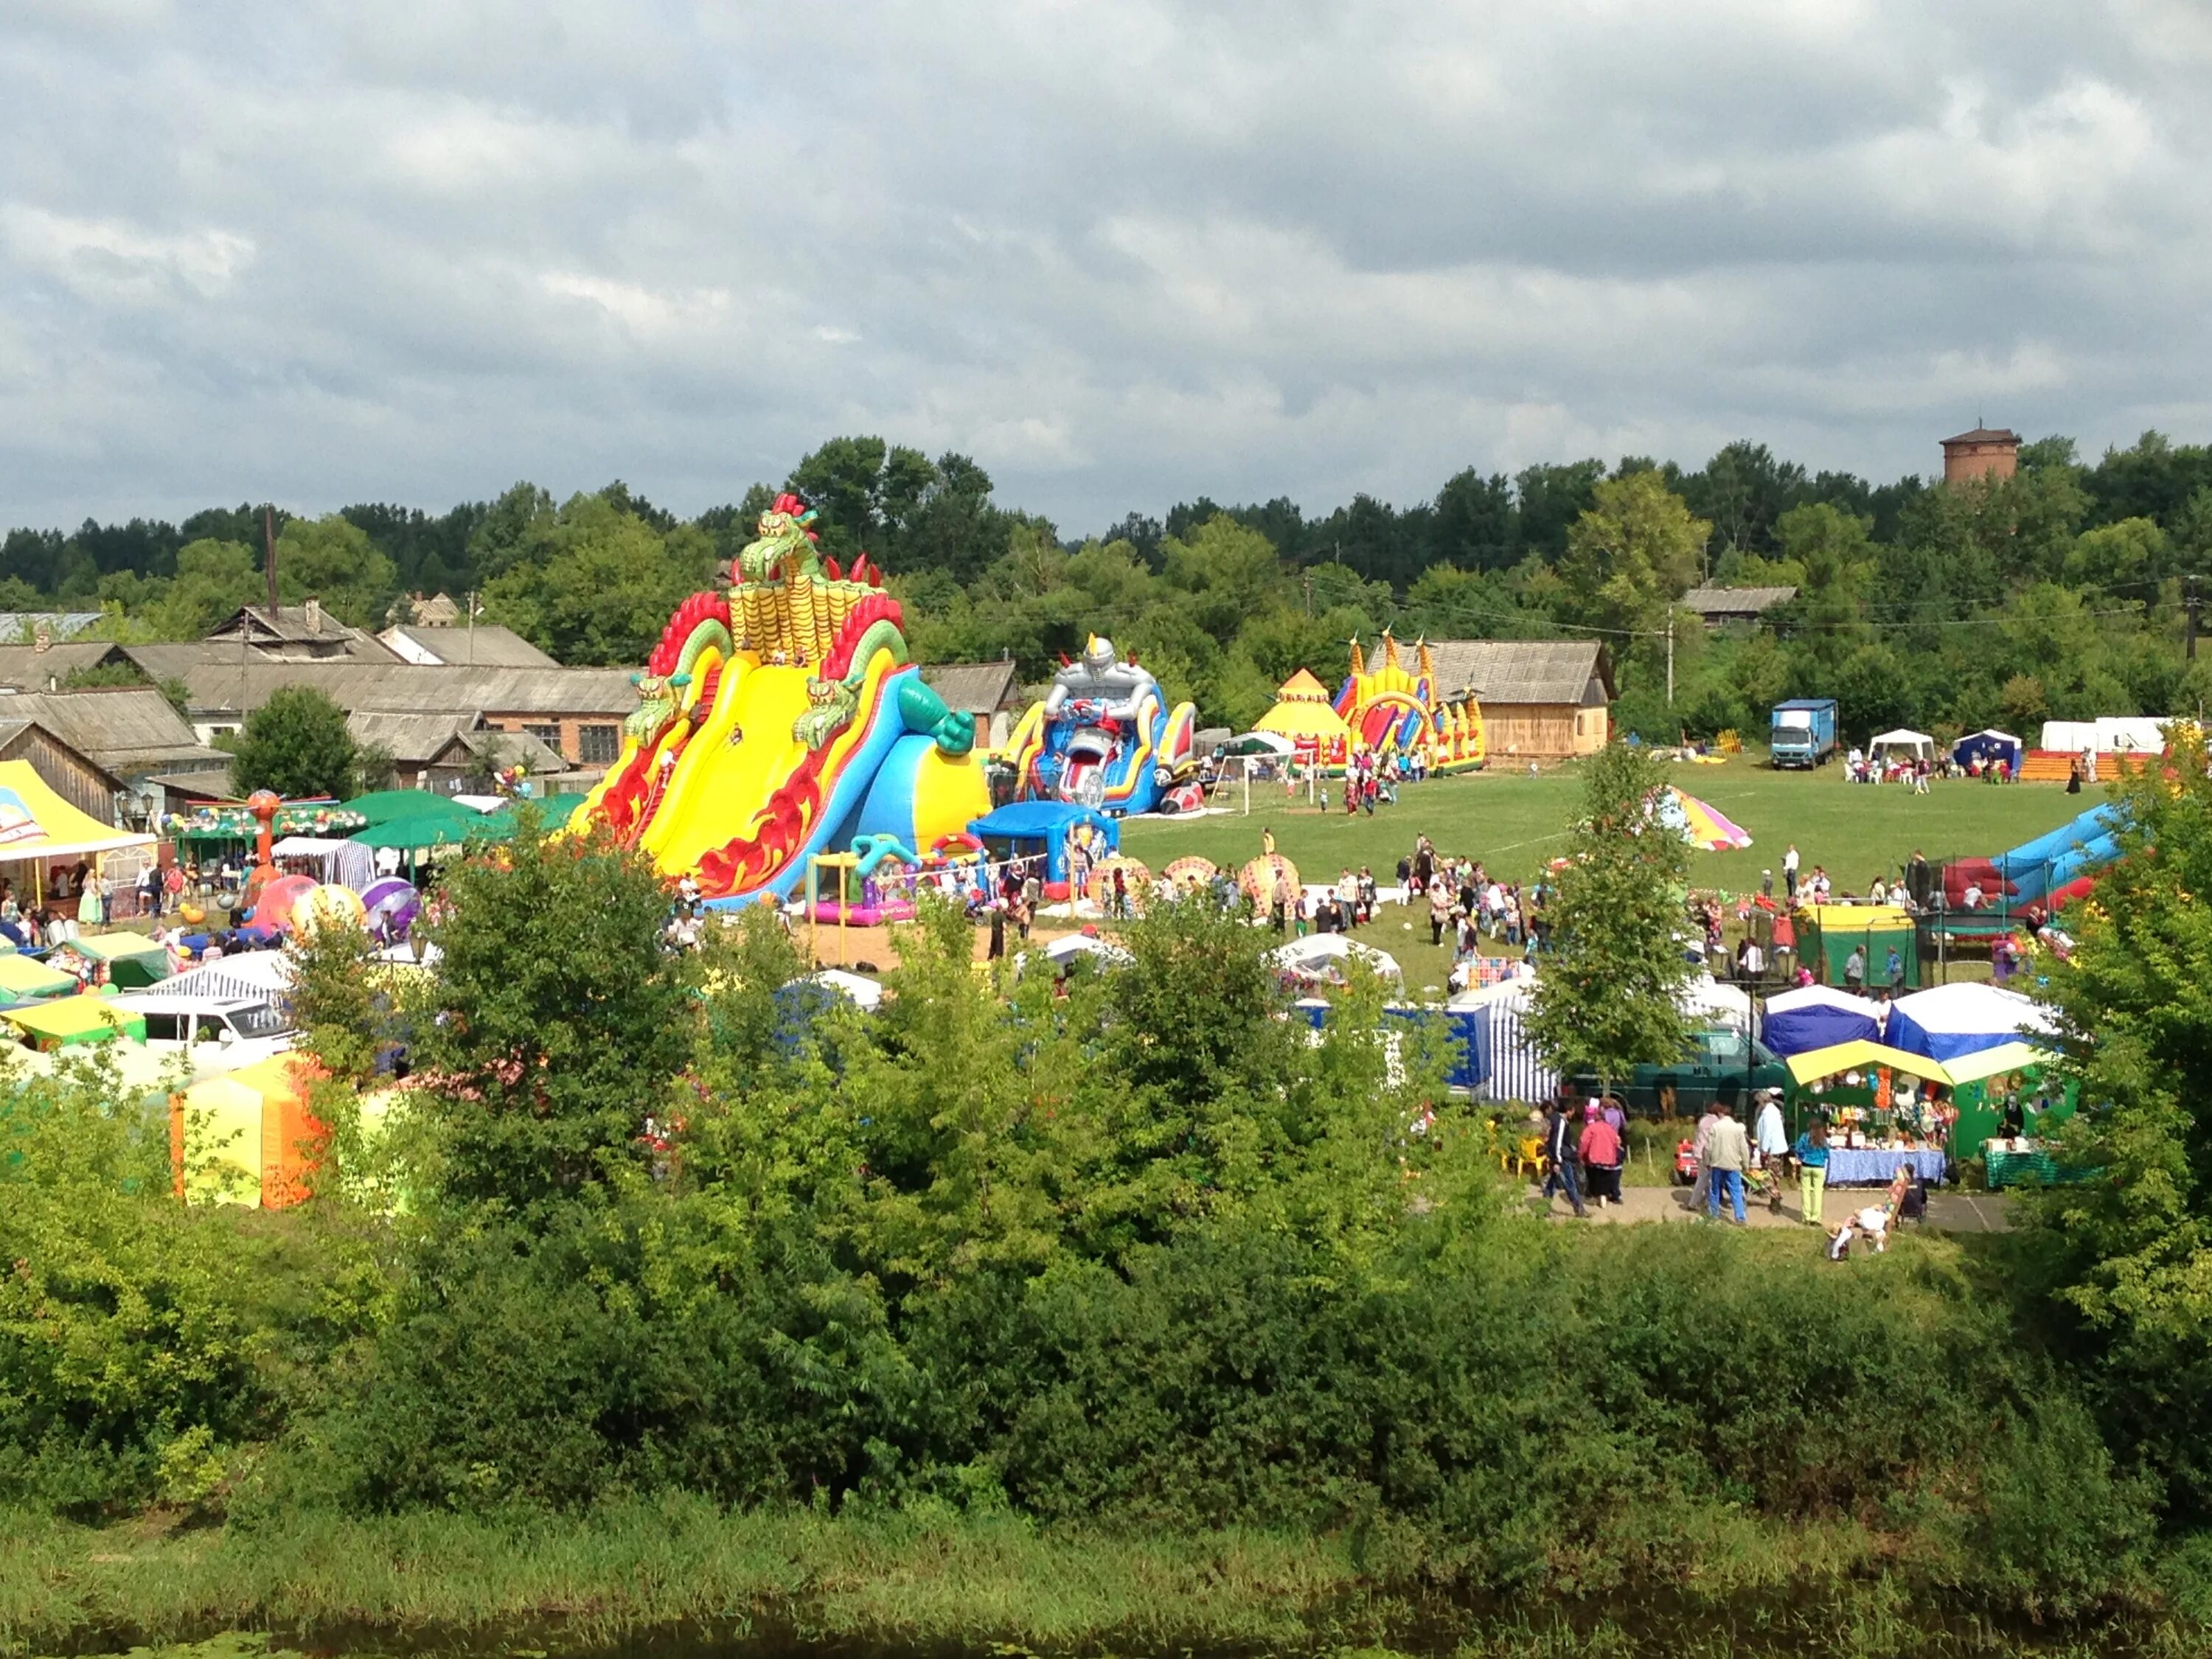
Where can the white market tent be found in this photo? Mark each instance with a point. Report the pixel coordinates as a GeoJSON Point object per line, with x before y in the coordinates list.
{"type": "Point", "coordinates": [346, 862]}
{"type": "Point", "coordinates": [1067, 948]}
{"type": "Point", "coordinates": [1818, 1017]}
{"type": "Point", "coordinates": [1322, 956]}
{"type": "Point", "coordinates": [864, 992]}
{"type": "Point", "coordinates": [1910, 745]}
{"type": "Point", "coordinates": [1948, 1021]}
{"type": "Point", "coordinates": [2107, 734]}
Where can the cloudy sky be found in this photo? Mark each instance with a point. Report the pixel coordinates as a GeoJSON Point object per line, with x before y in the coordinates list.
{"type": "Point", "coordinates": [1122, 252]}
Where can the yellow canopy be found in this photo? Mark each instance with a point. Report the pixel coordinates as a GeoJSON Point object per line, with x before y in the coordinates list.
{"type": "Point", "coordinates": [1302, 710]}
{"type": "Point", "coordinates": [1988, 1062]}
{"type": "Point", "coordinates": [20, 979]}
{"type": "Point", "coordinates": [37, 824]}
{"type": "Point", "coordinates": [1858, 1056]}
{"type": "Point", "coordinates": [1858, 918]}
{"type": "Point", "coordinates": [67, 1020]}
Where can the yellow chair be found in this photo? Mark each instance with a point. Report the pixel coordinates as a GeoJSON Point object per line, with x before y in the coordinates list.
{"type": "Point", "coordinates": [1528, 1158]}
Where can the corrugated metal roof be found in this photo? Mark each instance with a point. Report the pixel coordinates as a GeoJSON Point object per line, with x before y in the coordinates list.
{"type": "Point", "coordinates": [1734, 601]}
{"type": "Point", "coordinates": [61, 624]}
{"type": "Point", "coordinates": [1559, 671]}
{"type": "Point", "coordinates": [487, 645]}
{"type": "Point", "coordinates": [126, 729]}
{"type": "Point", "coordinates": [392, 687]}
{"type": "Point", "coordinates": [409, 739]}
{"type": "Point", "coordinates": [29, 669]}
{"type": "Point", "coordinates": [976, 688]}
{"type": "Point", "coordinates": [534, 755]}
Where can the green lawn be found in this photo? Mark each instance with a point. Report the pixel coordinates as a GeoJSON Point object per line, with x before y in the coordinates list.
{"type": "Point", "coordinates": [1515, 822]}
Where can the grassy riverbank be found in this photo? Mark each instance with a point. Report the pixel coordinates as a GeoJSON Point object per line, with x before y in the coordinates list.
{"type": "Point", "coordinates": [673, 1570]}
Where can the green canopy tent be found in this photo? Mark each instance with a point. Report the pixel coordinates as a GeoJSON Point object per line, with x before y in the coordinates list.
{"type": "Point", "coordinates": [447, 828]}
{"type": "Point", "coordinates": [22, 980]}
{"type": "Point", "coordinates": [134, 962]}
{"type": "Point", "coordinates": [71, 1022]}
{"type": "Point", "coordinates": [385, 805]}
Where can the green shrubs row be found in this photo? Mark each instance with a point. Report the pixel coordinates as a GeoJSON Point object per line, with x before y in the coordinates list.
{"type": "Point", "coordinates": [1136, 1256]}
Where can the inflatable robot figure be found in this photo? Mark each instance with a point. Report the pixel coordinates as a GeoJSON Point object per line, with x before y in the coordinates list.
{"type": "Point", "coordinates": [1104, 736]}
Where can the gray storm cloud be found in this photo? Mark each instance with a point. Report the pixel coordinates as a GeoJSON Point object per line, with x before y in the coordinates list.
{"type": "Point", "coordinates": [1123, 254]}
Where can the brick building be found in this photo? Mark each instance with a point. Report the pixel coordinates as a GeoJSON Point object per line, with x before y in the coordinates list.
{"type": "Point", "coordinates": [1985, 452]}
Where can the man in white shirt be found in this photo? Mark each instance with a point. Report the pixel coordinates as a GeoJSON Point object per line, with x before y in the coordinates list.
{"type": "Point", "coordinates": [1790, 872]}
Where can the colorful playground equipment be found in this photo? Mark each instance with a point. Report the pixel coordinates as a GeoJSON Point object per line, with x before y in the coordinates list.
{"type": "Point", "coordinates": [2047, 871]}
{"type": "Point", "coordinates": [1391, 708]}
{"type": "Point", "coordinates": [781, 721]}
{"type": "Point", "coordinates": [1386, 706]}
{"type": "Point", "coordinates": [1103, 736]}
{"type": "Point", "coordinates": [1304, 716]}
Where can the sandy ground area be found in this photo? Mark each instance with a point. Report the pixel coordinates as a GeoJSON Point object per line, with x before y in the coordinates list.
{"type": "Point", "coordinates": [1948, 1212]}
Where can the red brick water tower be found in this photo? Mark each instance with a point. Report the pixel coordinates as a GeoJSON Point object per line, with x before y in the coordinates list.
{"type": "Point", "coordinates": [1985, 452]}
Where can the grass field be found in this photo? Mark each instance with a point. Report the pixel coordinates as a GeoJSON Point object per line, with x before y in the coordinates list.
{"type": "Point", "coordinates": [1515, 823]}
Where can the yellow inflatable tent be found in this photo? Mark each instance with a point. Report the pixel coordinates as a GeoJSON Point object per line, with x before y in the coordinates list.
{"type": "Point", "coordinates": [1304, 714]}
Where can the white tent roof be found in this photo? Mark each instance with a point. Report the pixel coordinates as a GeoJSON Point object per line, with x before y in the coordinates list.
{"type": "Point", "coordinates": [1989, 732]}
{"type": "Point", "coordinates": [862, 991]}
{"type": "Point", "coordinates": [1069, 946]}
{"type": "Point", "coordinates": [1976, 1008]}
{"type": "Point", "coordinates": [1919, 742]}
{"type": "Point", "coordinates": [1823, 996]}
{"type": "Point", "coordinates": [1722, 1003]}
{"type": "Point", "coordinates": [1306, 955]}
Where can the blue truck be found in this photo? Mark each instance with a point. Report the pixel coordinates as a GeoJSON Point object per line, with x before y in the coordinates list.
{"type": "Point", "coordinates": [1803, 733]}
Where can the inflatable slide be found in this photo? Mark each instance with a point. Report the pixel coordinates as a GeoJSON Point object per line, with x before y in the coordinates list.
{"type": "Point", "coordinates": [2050, 867]}
{"type": "Point", "coordinates": [1104, 736]}
{"type": "Point", "coordinates": [783, 719]}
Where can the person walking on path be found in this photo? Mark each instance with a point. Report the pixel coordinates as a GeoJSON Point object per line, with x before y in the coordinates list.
{"type": "Point", "coordinates": [1811, 1152]}
{"type": "Point", "coordinates": [1772, 1142]}
{"type": "Point", "coordinates": [1704, 1184]}
{"type": "Point", "coordinates": [1854, 970]}
{"type": "Point", "coordinates": [1728, 1150]}
{"type": "Point", "coordinates": [1561, 1148]}
{"type": "Point", "coordinates": [1600, 1153]}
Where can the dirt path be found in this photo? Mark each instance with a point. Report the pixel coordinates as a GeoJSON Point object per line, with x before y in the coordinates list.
{"type": "Point", "coordinates": [1950, 1213]}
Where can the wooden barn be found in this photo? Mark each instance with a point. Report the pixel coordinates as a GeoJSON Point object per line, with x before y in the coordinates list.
{"type": "Point", "coordinates": [1541, 699]}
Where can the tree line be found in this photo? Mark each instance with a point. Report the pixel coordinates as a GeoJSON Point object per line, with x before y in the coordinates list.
{"type": "Point", "coordinates": [2064, 592]}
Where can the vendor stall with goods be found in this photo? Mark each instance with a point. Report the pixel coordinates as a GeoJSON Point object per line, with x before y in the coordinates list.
{"type": "Point", "coordinates": [1885, 1109]}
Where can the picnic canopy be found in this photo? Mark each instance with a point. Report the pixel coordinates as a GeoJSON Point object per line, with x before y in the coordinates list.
{"type": "Point", "coordinates": [1988, 746]}
{"type": "Point", "coordinates": [1861, 1055]}
{"type": "Point", "coordinates": [1913, 746]}
{"type": "Point", "coordinates": [1322, 956]}
{"type": "Point", "coordinates": [23, 980]}
{"type": "Point", "coordinates": [37, 824]}
{"type": "Point", "coordinates": [69, 1022]}
{"type": "Point", "coordinates": [1818, 1017]}
{"type": "Point", "coordinates": [442, 825]}
{"type": "Point", "coordinates": [134, 960]}
{"type": "Point", "coordinates": [382, 806]}
{"type": "Point", "coordinates": [1948, 1021]}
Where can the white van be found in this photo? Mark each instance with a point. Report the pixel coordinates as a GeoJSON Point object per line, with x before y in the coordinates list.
{"type": "Point", "coordinates": [215, 1034]}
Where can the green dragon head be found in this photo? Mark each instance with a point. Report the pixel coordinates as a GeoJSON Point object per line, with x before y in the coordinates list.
{"type": "Point", "coordinates": [785, 533]}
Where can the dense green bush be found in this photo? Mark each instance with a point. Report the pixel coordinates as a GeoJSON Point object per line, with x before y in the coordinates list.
{"type": "Point", "coordinates": [1137, 1251]}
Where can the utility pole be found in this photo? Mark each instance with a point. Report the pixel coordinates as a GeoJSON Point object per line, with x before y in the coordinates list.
{"type": "Point", "coordinates": [269, 549]}
{"type": "Point", "coordinates": [2189, 635]}
{"type": "Point", "coordinates": [1671, 660]}
{"type": "Point", "coordinates": [472, 627]}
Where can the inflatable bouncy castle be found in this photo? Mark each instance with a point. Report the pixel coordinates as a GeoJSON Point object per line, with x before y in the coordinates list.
{"type": "Point", "coordinates": [1392, 709]}
{"type": "Point", "coordinates": [1103, 736]}
{"type": "Point", "coordinates": [1385, 706]}
{"type": "Point", "coordinates": [781, 719]}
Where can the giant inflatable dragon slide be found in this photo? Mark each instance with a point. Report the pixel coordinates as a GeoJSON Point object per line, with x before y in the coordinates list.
{"type": "Point", "coordinates": [781, 719]}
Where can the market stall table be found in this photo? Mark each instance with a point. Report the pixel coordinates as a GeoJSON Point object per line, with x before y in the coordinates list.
{"type": "Point", "coordinates": [1875, 1167]}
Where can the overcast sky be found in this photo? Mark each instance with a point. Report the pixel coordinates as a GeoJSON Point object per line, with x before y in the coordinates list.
{"type": "Point", "coordinates": [1122, 252]}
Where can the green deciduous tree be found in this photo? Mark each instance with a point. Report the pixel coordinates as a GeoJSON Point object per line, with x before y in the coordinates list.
{"type": "Point", "coordinates": [333, 560]}
{"type": "Point", "coordinates": [1632, 554]}
{"type": "Point", "coordinates": [297, 745]}
{"type": "Point", "coordinates": [549, 1055]}
{"type": "Point", "coordinates": [2127, 1254]}
{"type": "Point", "coordinates": [1608, 997]}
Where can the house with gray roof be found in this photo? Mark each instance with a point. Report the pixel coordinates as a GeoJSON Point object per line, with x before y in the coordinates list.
{"type": "Point", "coordinates": [1541, 699]}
